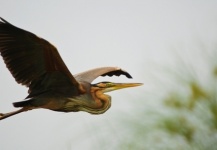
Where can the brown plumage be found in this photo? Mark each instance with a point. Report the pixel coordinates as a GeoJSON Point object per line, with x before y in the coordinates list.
{"type": "Point", "coordinates": [36, 63]}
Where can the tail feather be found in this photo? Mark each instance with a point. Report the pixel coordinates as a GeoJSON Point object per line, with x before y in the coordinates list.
{"type": "Point", "coordinates": [22, 103]}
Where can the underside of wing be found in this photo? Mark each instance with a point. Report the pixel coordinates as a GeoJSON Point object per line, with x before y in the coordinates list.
{"type": "Point", "coordinates": [90, 75]}
{"type": "Point", "coordinates": [30, 59]}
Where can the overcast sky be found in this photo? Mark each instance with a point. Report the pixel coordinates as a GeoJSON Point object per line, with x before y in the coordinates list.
{"type": "Point", "coordinates": [131, 34]}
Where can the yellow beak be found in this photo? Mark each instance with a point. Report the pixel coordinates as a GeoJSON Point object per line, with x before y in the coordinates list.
{"type": "Point", "coordinates": [118, 86]}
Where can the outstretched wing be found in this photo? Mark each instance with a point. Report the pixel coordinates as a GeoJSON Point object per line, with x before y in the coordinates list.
{"type": "Point", "coordinates": [31, 59]}
{"type": "Point", "coordinates": [90, 75]}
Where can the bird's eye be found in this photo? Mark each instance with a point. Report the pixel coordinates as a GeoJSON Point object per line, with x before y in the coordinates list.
{"type": "Point", "coordinates": [109, 84]}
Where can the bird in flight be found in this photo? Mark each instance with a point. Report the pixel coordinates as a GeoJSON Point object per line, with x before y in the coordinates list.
{"type": "Point", "coordinates": [37, 64]}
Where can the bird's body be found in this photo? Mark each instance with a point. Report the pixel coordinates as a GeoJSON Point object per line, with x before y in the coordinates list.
{"type": "Point", "coordinates": [36, 63]}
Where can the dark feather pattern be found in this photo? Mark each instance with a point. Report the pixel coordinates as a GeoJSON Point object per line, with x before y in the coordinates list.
{"type": "Point", "coordinates": [30, 58]}
{"type": "Point", "coordinates": [117, 73]}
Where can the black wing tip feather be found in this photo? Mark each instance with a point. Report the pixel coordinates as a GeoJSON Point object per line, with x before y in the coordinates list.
{"type": "Point", "coordinates": [117, 73]}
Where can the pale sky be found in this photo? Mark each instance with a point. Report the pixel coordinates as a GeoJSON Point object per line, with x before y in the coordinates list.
{"type": "Point", "coordinates": [132, 34]}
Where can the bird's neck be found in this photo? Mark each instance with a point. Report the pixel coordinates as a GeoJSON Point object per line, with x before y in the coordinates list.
{"type": "Point", "coordinates": [102, 102]}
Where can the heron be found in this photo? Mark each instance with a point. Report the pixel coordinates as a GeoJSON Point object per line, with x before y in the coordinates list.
{"type": "Point", "coordinates": [37, 64]}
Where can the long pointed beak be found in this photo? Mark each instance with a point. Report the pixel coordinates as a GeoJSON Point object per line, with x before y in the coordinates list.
{"type": "Point", "coordinates": [118, 86]}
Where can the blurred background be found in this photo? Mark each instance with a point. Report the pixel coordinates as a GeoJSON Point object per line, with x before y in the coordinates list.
{"type": "Point", "coordinates": [170, 46]}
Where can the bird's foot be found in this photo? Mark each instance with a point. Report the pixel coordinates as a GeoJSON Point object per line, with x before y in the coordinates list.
{"type": "Point", "coordinates": [1, 115]}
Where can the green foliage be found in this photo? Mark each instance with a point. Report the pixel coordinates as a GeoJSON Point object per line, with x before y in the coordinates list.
{"type": "Point", "coordinates": [197, 93]}
{"type": "Point", "coordinates": [174, 100]}
{"type": "Point", "coordinates": [213, 110]}
{"type": "Point", "coordinates": [178, 126]}
{"type": "Point", "coordinates": [215, 71]}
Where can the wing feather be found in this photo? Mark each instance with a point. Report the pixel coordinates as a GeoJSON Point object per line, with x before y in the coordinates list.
{"type": "Point", "coordinates": [30, 59]}
{"type": "Point", "coordinates": [92, 74]}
